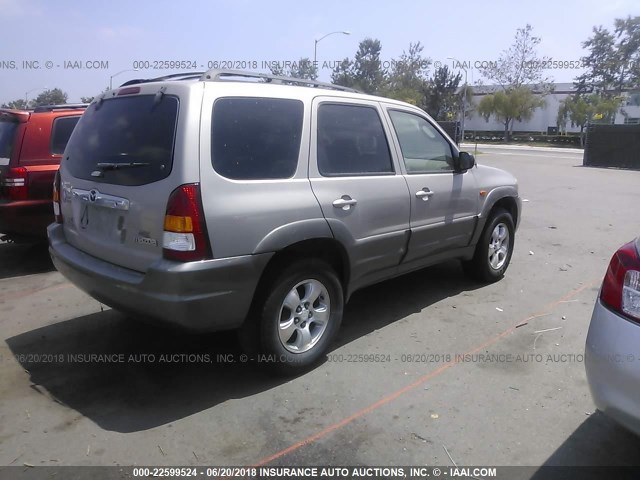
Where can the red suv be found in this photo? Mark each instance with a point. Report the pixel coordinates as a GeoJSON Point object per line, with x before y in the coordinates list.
{"type": "Point", "coordinates": [31, 146]}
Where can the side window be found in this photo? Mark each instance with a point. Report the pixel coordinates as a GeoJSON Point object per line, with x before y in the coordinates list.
{"type": "Point", "coordinates": [60, 133]}
{"type": "Point", "coordinates": [424, 149]}
{"type": "Point", "coordinates": [256, 138]}
{"type": "Point", "coordinates": [351, 141]}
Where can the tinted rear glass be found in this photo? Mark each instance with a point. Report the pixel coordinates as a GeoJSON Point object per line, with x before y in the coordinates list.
{"type": "Point", "coordinates": [351, 141]}
{"type": "Point", "coordinates": [7, 138]}
{"type": "Point", "coordinates": [256, 138]}
{"type": "Point", "coordinates": [127, 130]}
{"type": "Point", "coordinates": [62, 130]}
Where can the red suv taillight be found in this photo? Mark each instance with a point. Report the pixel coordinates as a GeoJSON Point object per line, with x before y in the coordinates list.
{"type": "Point", "coordinates": [57, 212]}
{"type": "Point", "coordinates": [14, 183]}
{"type": "Point", "coordinates": [621, 286]}
{"type": "Point", "coordinates": [185, 236]}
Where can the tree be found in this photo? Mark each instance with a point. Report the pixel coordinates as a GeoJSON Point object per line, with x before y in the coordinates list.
{"type": "Point", "coordinates": [600, 63]}
{"type": "Point", "coordinates": [49, 97]}
{"type": "Point", "coordinates": [441, 97]}
{"type": "Point", "coordinates": [509, 105]}
{"type": "Point", "coordinates": [365, 71]}
{"type": "Point", "coordinates": [369, 76]}
{"type": "Point", "coordinates": [303, 68]}
{"type": "Point", "coordinates": [343, 74]}
{"type": "Point", "coordinates": [407, 80]}
{"type": "Point", "coordinates": [18, 104]}
{"type": "Point", "coordinates": [519, 65]}
{"type": "Point", "coordinates": [613, 62]}
{"type": "Point", "coordinates": [518, 72]}
{"type": "Point", "coordinates": [582, 109]}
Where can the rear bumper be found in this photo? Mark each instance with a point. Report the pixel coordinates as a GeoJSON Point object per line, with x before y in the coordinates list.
{"type": "Point", "coordinates": [204, 296]}
{"type": "Point", "coordinates": [612, 362]}
{"type": "Point", "coordinates": [28, 218]}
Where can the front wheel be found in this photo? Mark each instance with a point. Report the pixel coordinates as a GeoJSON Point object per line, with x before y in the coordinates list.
{"type": "Point", "coordinates": [494, 249]}
{"type": "Point", "coordinates": [300, 316]}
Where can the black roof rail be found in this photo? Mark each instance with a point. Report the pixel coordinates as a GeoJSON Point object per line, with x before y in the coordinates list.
{"type": "Point", "coordinates": [179, 76]}
{"type": "Point", "coordinates": [64, 106]}
{"type": "Point", "coordinates": [216, 75]}
{"type": "Point", "coordinates": [173, 76]}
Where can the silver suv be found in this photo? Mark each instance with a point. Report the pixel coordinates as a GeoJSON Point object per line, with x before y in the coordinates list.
{"type": "Point", "coordinates": [235, 200]}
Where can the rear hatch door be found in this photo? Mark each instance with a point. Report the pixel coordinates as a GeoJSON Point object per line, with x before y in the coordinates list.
{"type": "Point", "coordinates": [121, 164]}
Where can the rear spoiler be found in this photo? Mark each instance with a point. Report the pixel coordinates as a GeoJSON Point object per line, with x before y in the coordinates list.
{"type": "Point", "coordinates": [14, 115]}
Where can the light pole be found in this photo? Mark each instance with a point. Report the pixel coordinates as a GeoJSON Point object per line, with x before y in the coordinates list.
{"type": "Point", "coordinates": [315, 46]}
{"type": "Point", "coordinates": [464, 95]}
{"type": "Point", "coordinates": [116, 74]}
{"type": "Point", "coordinates": [26, 94]}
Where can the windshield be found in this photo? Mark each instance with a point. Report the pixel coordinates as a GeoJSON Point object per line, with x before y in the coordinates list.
{"type": "Point", "coordinates": [132, 130]}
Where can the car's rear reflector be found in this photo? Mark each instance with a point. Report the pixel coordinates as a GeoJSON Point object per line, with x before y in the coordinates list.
{"type": "Point", "coordinates": [175, 223]}
{"type": "Point", "coordinates": [185, 235]}
{"type": "Point", "coordinates": [14, 184]}
{"type": "Point", "coordinates": [621, 286]}
{"type": "Point", "coordinates": [57, 212]}
{"type": "Point", "coordinates": [631, 294]}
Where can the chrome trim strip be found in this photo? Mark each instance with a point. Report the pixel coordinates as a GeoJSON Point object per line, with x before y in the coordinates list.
{"type": "Point", "coordinates": [98, 199]}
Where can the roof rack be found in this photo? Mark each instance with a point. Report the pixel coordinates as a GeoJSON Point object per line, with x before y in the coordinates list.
{"type": "Point", "coordinates": [174, 76]}
{"type": "Point", "coordinates": [65, 106]}
{"type": "Point", "coordinates": [216, 75]}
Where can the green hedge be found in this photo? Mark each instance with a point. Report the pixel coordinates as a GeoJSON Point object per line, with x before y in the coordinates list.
{"type": "Point", "coordinates": [523, 137]}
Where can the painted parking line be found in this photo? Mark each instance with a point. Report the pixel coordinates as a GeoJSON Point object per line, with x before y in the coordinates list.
{"type": "Point", "coordinates": [420, 381]}
{"type": "Point", "coordinates": [536, 155]}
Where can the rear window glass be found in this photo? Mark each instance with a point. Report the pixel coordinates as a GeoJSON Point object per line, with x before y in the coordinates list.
{"type": "Point", "coordinates": [62, 130]}
{"type": "Point", "coordinates": [256, 138]}
{"type": "Point", "coordinates": [351, 141]}
{"type": "Point", "coordinates": [7, 139]}
{"type": "Point", "coordinates": [125, 141]}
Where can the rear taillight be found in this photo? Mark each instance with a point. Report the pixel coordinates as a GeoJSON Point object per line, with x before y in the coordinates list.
{"type": "Point", "coordinates": [57, 212]}
{"type": "Point", "coordinates": [14, 183]}
{"type": "Point", "coordinates": [621, 286]}
{"type": "Point", "coordinates": [185, 234]}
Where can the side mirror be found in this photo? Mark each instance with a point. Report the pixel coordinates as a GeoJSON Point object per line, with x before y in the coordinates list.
{"type": "Point", "coordinates": [465, 161]}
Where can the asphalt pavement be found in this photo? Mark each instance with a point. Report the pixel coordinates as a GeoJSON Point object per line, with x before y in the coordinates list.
{"type": "Point", "coordinates": [429, 369]}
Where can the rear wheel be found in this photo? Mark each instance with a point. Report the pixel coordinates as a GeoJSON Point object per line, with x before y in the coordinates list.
{"type": "Point", "coordinates": [494, 249]}
{"type": "Point", "coordinates": [300, 316]}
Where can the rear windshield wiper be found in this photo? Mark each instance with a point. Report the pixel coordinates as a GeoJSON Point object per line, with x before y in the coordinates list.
{"type": "Point", "coordinates": [117, 166]}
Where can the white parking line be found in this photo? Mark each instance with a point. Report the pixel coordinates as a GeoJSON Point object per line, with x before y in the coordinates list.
{"type": "Point", "coordinates": [514, 154]}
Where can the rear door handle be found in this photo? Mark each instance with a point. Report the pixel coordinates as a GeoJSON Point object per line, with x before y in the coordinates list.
{"type": "Point", "coordinates": [424, 194]}
{"type": "Point", "coordinates": [345, 202]}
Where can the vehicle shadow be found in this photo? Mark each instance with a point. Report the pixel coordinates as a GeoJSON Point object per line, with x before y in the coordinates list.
{"type": "Point", "coordinates": [148, 376]}
{"type": "Point", "coordinates": [597, 442]}
{"type": "Point", "coordinates": [379, 305]}
{"type": "Point", "coordinates": [18, 259]}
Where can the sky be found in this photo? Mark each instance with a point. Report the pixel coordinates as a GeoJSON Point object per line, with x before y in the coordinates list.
{"type": "Point", "coordinates": [78, 45]}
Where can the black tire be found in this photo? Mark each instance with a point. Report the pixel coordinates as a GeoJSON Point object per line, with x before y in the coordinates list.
{"type": "Point", "coordinates": [273, 314]}
{"type": "Point", "coordinates": [480, 267]}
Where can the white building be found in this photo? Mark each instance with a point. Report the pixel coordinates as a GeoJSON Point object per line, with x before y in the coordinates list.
{"type": "Point", "coordinates": [544, 117]}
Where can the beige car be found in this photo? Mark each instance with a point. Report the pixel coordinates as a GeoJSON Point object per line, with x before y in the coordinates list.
{"type": "Point", "coordinates": [236, 200]}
